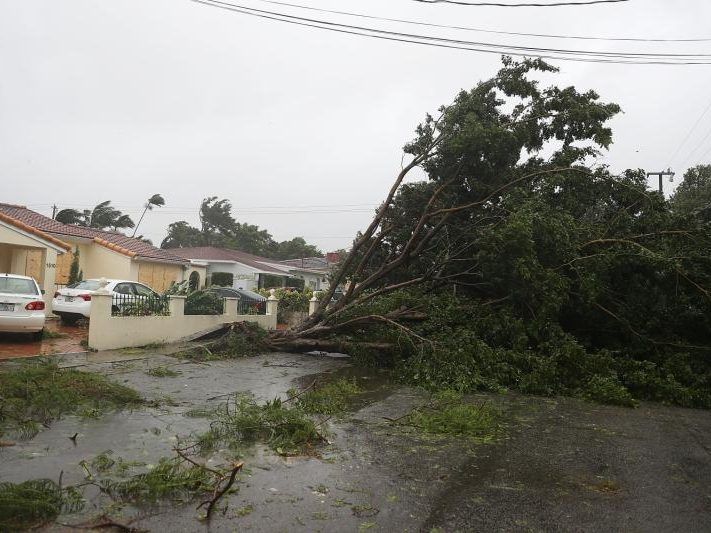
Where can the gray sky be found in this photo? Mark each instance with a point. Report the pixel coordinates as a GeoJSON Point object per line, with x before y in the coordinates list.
{"type": "Point", "coordinates": [120, 100]}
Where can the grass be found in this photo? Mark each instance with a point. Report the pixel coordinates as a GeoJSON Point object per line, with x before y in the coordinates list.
{"type": "Point", "coordinates": [35, 393]}
{"type": "Point", "coordinates": [448, 414]}
{"type": "Point", "coordinates": [287, 430]}
{"type": "Point", "coordinates": [328, 399]}
{"type": "Point", "coordinates": [162, 372]}
{"type": "Point", "coordinates": [33, 503]}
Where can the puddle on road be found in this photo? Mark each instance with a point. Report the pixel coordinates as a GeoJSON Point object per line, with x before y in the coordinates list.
{"type": "Point", "coordinates": [347, 481]}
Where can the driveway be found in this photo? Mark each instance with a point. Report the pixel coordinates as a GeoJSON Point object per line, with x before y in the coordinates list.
{"type": "Point", "coordinates": [59, 339]}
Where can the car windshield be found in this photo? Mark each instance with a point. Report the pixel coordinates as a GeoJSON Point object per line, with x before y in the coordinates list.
{"type": "Point", "coordinates": [88, 285]}
{"type": "Point", "coordinates": [17, 286]}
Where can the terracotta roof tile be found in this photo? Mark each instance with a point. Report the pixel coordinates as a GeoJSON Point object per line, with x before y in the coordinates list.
{"type": "Point", "coordinates": [137, 247]}
{"type": "Point", "coordinates": [29, 229]}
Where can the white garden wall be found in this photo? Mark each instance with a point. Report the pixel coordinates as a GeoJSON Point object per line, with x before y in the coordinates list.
{"type": "Point", "coordinates": [108, 332]}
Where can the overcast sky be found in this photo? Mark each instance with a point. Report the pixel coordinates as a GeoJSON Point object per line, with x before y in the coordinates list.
{"type": "Point", "coordinates": [122, 99]}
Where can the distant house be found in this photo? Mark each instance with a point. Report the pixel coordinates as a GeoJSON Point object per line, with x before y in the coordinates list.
{"type": "Point", "coordinates": [102, 254]}
{"type": "Point", "coordinates": [313, 270]}
{"type": "Point", "coordinates": [238, 269]}
{"type": "Point", "coordinates": [249, 271]}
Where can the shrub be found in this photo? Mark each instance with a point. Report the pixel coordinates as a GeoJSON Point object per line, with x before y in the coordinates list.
{"type": "Point", "coordinates": [204, 303]}
{"type": "Point", "coordinates": [222, 279]}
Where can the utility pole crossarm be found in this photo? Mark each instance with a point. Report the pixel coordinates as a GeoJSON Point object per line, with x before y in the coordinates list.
{"type": "Point", "coordinates": [661, 175]}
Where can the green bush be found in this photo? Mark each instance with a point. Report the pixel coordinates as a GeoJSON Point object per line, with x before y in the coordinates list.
{"type": "Point", "coordinates": [222, 279]}
{"type": "Point", "coordinates": [290, 301]}
{"type": "Point", "coordinates": [204, 303]}
{"type": "Point", "coordinates": [477, 348]}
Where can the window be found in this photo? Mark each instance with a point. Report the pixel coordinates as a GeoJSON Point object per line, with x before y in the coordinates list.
{"type": "Point", "coordinates": [194, 281]}
{"type": "Point", "coordinates": [123, 288]}
{"type": "Point", "coordinates": [10, 285]}
{"type": "Point", "coordinates": [88, 285]}
{"type": "Point", "coordinates": [142, 290]}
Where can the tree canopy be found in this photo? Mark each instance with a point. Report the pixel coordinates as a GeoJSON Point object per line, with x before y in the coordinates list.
{"type": "Point", "coordinates": [219, 228]}
{"type": "Point", "coordinates": [693, 196]}
{"type": "Point", "coordinates": [103, 216]}
{"type": "Point", "coordinates": [520, 262]}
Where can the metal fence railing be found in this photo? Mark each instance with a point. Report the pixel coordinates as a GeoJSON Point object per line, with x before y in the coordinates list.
{"type": "Point", "coordinates": [135, 305]}
{"type": "Point", "coordinates": [251, 307]}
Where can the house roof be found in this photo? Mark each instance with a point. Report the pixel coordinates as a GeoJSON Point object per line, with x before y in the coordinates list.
{"type": "Point", "coordinates": [34, 231]}
{"type": "Point", "coordinates": [318, 264]}
{"type": "Point", "coordinates": [116, 241]}
{"type": "Point", "coordinates": [207, 253]}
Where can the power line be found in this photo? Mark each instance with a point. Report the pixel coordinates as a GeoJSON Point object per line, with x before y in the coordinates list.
{"type": "Point", "coordinates": [482, 30]}
{"type": "Point", "coordinates": [472, 46]}
{"type": "Point", "coordinates": [497, 4]}
{"type": "Point", "coordinates": [701, 143]}
{"type": "Point", "coordinates": [693, 128]}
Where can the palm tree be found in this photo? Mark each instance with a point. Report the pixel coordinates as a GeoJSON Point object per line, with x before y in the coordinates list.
{"type": "Point", "coordinates": [103, 216]}
{"type": "Point", "coordinates": [154, 201]}
{"type": "Point", "coordinates": [70, 216]}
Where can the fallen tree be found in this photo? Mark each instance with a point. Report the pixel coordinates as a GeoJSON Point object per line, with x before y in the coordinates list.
{"type": "Point", "coordinates": [475, 153]}
{"type": "Point", "coordinates": [505, 268]}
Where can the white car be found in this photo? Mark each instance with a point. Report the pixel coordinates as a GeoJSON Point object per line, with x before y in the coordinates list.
{"type": "Point", "coordinates": [74, 302]}
{"type": "Point", "coordinates": [21, 305]}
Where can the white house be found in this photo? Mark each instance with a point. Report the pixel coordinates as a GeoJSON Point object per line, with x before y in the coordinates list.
{"type": "Point", "coordinates": [248, 271]}
{"type": "Point", "coordinates": [252, 271]}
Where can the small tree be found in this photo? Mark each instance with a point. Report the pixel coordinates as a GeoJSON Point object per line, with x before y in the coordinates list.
{"type": "Point", "coordinates": [75, 273]}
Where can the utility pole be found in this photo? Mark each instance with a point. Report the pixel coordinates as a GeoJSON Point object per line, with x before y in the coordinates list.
{"type": "Point", "coordinates": [661, 175]}
{"type": "Point", "coordinates": [54, 211]}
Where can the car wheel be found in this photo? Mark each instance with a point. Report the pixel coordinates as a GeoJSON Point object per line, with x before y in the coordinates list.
{"type": "Point", "coordinates": [69, 320]}
{"type": "Point", "coordinates": [37, 335]}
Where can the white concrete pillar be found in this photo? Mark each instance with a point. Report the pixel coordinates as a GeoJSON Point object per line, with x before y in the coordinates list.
{"type": "Point", "coordinates": [176, 305]}
{"type": "Point", "coordinates": [231, 307]}
{"type": "Point", "coordinates": [272, 303]}
{"type": "Point", "coordinates": [50, 275]}
{"type": "Point", "coordinates": [313, 304]}
{"type": "Point", "coordinates": [100, 318]}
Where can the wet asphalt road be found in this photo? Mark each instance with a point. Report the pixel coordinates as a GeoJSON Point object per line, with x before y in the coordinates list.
{"type": "Point", "coordinates": [561, 464]}
{"type": "Point", "coordinates": [571, 466]}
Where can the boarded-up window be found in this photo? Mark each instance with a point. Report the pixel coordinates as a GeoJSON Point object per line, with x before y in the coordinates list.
{"type": "Point", "coordinates": [159, 276]}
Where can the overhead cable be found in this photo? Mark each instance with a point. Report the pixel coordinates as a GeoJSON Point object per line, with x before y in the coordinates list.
{"type": "Point", "coordinates": [473, 46]}
{"type": "Point", "coordinates": [483, 30]}
{"type": "Point", "coordinates": [523, 4]}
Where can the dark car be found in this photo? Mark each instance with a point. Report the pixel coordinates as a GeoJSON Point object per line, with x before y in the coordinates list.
{"type": "Point", "coordinates": [251, 303]}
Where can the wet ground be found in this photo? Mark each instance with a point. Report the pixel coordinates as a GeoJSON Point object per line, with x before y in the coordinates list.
{"type": "Point", "coordinates": [562, 465]}
{"type": "Point", "coordinates": [58, 339]}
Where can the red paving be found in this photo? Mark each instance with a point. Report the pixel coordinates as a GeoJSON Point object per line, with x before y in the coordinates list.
{"type": "Point", "coordinates": [15, 345]}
